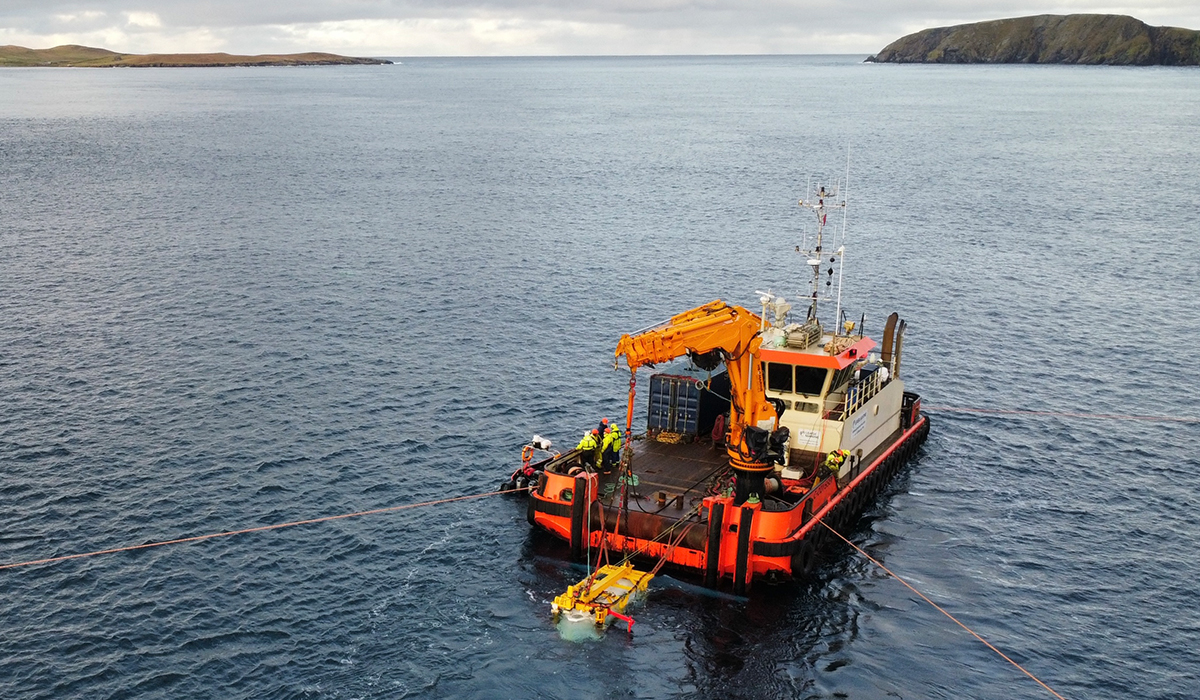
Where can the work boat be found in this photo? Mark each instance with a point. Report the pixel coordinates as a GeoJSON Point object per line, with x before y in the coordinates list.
{"type": "Point", "coordinates": [794, 429]}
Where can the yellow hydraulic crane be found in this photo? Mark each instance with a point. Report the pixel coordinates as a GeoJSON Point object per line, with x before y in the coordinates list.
{"type": "Point", "coordinates": [706, 332]}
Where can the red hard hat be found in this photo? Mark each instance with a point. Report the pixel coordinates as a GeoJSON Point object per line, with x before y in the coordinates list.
{"type": "Point", "coordinates": [604, 421]}
{"type": "Point", "coordinates": [595, 431]}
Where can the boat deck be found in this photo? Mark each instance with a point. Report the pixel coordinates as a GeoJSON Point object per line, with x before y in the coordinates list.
{"type": "Point", "coordinates": [676, 469]}
{"type": "Point", "coordinates": [684, 474]}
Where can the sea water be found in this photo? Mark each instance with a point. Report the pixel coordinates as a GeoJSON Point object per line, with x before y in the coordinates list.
{"type": "Point", "coordinates": [238, 297]}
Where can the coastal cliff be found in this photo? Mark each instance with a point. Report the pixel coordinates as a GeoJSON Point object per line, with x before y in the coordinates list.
{"type": "Point", "coordinates": [1078, 39]}
{"type": "Point", "coordinates": [74, 56]}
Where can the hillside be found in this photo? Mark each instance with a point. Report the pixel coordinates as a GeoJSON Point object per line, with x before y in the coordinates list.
{"type": "Point", "coordinates": [1078, 39]}
{"type": "Point", "coordinates": [88, 57]}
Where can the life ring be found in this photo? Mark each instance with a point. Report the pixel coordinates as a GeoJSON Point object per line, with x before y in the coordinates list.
{"type": "Point", "coordinates": [526, 453]}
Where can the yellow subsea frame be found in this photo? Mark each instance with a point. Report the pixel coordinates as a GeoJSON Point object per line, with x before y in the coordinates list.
{"type": "Point", "coordinates": [611, 590]}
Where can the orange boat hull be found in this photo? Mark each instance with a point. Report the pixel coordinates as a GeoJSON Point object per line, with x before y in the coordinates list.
{"type": "Point", "coordinates": [723, 542]}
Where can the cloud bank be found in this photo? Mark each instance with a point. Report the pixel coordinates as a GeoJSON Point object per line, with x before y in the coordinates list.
{"type": "Point", "coordinates": [518, 27]}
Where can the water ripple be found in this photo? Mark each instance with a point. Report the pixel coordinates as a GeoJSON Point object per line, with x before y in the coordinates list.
{"type": "Point", "coordinates": [233, 298]}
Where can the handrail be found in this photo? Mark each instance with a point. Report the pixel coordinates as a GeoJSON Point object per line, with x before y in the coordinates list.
{"type": "Point", "coordinates": [859, 394]}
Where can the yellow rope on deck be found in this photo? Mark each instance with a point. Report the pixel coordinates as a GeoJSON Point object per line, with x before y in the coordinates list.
{"type": "Point", "coordinates": [671, 438]}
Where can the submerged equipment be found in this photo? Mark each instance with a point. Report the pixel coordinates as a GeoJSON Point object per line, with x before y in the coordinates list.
{"type": "Point", "coordinates": [602, 595]}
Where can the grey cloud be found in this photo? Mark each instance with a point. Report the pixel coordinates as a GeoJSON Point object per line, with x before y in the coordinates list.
{"type": "Point", "coordinates": [654, 13]}
{"type": "Point", "coordinates": [770, 24]}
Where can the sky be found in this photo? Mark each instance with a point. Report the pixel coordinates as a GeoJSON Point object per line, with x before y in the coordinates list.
{"type": "Point", "coordinates": [396, 28]}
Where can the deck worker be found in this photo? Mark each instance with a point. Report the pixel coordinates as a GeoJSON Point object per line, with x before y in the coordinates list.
{"type": "Point", "coordinates": [832, 465]}
{"type": "Point", "coordinates": [589, 449]}
{"type": "Point", "coordinates": [610, 449]}
{"type": "Point", "coordinates": [835, 460]}
{"type": "Point", "coordinates": [603, 428]}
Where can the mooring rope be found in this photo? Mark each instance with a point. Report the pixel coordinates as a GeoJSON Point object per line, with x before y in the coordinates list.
{"type": "Point", "coordinates": [1062, 414]}
{"type": "Point", "coordinates": [261, 528]}
{"type": "Point", "coordinates": [942, 610]}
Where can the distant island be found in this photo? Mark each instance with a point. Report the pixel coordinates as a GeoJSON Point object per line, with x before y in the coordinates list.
{"type": "Point", "coordinates": [75, 56]}
{"type": "Point", "coordinates": [1114, 40]}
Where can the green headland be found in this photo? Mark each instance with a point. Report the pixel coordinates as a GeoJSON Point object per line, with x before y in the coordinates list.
{"type": "Point", "coordinates": [1116, 40]}
{"type": "Point", "coordinates": [75, 56]}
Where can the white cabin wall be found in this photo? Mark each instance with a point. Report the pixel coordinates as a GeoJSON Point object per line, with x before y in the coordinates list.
{"type": "Point", "coordinates": [870, 425]}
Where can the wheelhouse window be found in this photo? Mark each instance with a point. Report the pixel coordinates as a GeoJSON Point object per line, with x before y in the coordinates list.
{"type": "Point", "coordinates": [779, 377]}
{"type": "Point", "coordinates": [841, 377]}
{"type": "Point", "coordinates": [810, 380]}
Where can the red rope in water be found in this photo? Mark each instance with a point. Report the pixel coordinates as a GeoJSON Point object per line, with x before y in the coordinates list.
{"type": "Point", "coordinates": [942, 610]}
{"type": "Point", "coordinates": [261, 528]}
{"type": "Point", "coordinates": [1064, 414]}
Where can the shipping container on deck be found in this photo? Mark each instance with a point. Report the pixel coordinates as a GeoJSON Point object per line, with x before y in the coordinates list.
{"type": "Point", "coordinates": [686, 405]}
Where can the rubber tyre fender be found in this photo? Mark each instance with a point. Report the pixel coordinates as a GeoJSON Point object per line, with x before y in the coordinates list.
{"type": "Point", "coordinates": [741, 564]}
{"type": "Point", "coordinates": [712, 553]}
{"type": "Point", "coordinates": [860, 502]}
{"type": "Point", "coordinates": [803, 560]}
{"type": "Point", "coordinates": [579, 504]}
{"type": "Point", "coordinates": [852, 505]}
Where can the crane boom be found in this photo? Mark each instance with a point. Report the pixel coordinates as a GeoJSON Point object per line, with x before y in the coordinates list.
{"type": "Point", "coordinates": [714, 327]}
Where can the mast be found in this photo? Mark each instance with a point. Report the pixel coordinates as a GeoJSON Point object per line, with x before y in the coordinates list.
{"type": "Point", "coordinates": [819, 199]}
{"type": "Point", "coordinates": [841, 251]}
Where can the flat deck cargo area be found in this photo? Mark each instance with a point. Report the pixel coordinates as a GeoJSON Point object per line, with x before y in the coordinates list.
{"type": "Point", "coordinates": [676, 468]}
